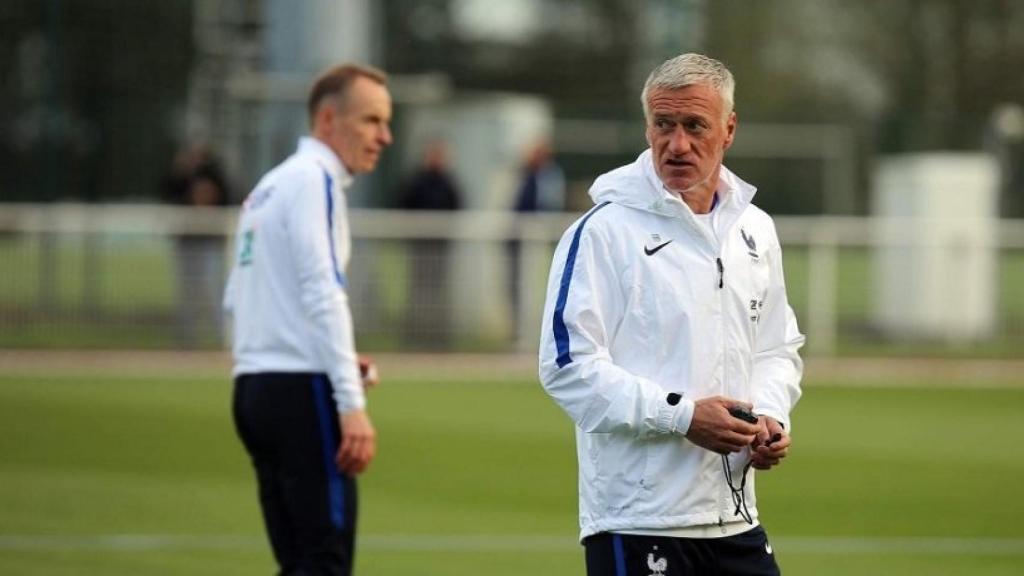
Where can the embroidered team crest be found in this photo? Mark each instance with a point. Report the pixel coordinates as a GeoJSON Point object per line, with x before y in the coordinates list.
{"type": "Point", "coordinates": [751, 244]}
{"type": "Point", "coordinates": [656, 566]}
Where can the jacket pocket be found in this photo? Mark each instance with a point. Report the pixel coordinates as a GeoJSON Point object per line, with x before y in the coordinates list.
{"type": "Point", "coordinates": [619, 462]}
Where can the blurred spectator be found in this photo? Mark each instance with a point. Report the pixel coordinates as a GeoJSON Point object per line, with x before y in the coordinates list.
{"type": "Point", "coordinates": [542, 189]}
{"type": "Point", "coordinates": [430, 187]}
{"type": "Point", "coordinates": [543, 184]}
{"type": "Point", "coordinates": [196, 178]}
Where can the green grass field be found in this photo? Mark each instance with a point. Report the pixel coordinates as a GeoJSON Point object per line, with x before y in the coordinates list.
{"type": "Point", "coordinates": [136, 476]}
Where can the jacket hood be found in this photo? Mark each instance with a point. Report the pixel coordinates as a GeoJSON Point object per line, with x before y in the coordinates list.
{"type": "Point", "coordinates": [637, 185]}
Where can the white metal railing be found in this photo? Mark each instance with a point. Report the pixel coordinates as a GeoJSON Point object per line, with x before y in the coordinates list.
{"type": "Point", "coordinates": [823, 236]}
{"type": "Point", "coordinates": [377, 224]}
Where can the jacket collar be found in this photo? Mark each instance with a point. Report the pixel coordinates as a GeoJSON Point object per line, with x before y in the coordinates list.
{"type": "Point", "coordinates": [326, 158]}
{"type": "Point", "coordinates": [637, 185]}
{"type": "Point", "coordinates": [733, 193]}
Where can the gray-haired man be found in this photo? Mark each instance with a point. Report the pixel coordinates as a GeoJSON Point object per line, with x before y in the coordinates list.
{"type": "Point", "coordinates": [669, 341]}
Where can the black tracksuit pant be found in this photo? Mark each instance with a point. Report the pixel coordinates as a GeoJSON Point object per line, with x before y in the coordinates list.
{"type": "Point", "coordinates": [289, 425]}
{"type": "Point", "coordinates": [746, 554]}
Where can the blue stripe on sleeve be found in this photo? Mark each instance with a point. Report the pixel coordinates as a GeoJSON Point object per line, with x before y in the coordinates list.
{"type": "Point", "coordinates": [327, 419]}
{"type": "Point", "coordinates": [558, 324]}
{"type": "Point", "coordinates": [329, 183]}
{"type": "Point", "coordinates": [620, 555]}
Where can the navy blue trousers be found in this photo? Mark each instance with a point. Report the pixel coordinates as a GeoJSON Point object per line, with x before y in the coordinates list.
{"type": "Point", "coordinates": [288, 423]}
{"type": "Point", "coordinates": [747, 554]}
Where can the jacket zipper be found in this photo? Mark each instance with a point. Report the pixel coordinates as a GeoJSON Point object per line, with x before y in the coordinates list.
{"type": "Point", "coordinates": [721, 285]}
{"type": "Point", "coordinates": [722, 506]}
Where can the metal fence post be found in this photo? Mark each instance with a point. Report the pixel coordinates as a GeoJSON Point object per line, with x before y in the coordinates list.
{"type": "Point", "coordinates": [822, 278]}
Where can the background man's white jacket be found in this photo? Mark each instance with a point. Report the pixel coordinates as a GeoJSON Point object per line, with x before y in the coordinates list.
{"type": "Point", "coordinates": [627, 322]}
{"type": "Point", "coordinates": [286, 291]}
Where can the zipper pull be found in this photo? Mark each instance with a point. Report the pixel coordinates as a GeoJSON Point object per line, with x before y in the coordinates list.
{"type": "Point", "coordinates": [721, 273]}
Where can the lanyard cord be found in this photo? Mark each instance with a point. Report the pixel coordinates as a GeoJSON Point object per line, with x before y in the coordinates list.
{"type": "Point", "coordinates": [739, 498]}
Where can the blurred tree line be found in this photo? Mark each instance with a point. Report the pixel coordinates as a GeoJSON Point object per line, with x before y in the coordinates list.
{"type": "Point", "coordinates": [89, 94]}
{"type": "Point", "coordinates": [93, 90]}
{"type": "Point", "coordinates": [905, 75]}
{"type": "Point", "coordinates": [899, 75]}
{"type": "Point", "coordinates": [926, 74]}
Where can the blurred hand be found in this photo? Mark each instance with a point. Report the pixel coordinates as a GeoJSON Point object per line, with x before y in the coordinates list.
{"type": "Point", "coordinates": [358, 442]}
{"type": "Point", "coordinates": [715, 429]}
{"type": "Point", "coordinates": [368, 372]}
{"type": "Point", "coordinates": [766, 453]}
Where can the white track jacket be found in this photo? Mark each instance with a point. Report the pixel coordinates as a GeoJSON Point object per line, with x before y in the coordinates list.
{"type": "Point", "coordinates": [643, 301]}
{"type": "Point", "coordinates": [286, 291]}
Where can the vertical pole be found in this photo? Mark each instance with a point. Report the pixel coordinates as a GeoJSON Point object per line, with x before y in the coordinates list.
{"type": "Point", "coordinates": [531, 291]}
{"type": "Point", "coordinates": [49, 179]}
{"type": "Point", "coordinates": [822, 279]}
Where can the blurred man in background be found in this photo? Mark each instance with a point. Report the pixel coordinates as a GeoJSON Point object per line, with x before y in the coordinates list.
{"type": "Point", "coordinates": [431, 187]}
{"type": "Point", "coordinates": [299, 403]}
{"type": "Point", "coordinates": [541, 189]}
{"type": "Point", "coordinates": [543, 185]}
{"type": "Point", "coordinates": [197, 179]}
{"type": "Point", "coordinates": [669, 340]}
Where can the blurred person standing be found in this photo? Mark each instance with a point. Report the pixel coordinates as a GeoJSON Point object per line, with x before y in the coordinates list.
{"type": "Point", "coordinates": [430, 187]}
{"type": "Point", "coordinates": [299, 403]}
{"type": "Point", "coordinates": [669, 340]}
{"type": "Point", "coordinates": [197, 179]}
{"type": "Point", "coordinates": [541, 189]}
{"type": "Point", "coordinates": [543, 185]}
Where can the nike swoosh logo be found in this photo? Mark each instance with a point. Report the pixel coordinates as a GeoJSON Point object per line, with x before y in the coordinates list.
{"type": "Point", "coordinates": [651, 251]}
{"type": "Point", "coordinates": [768, 548]}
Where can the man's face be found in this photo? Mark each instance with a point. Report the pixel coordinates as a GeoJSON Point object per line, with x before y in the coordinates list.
{"type": "Point", "coordinates": [688, 137]}
{"type": "Point", "coordinates": [358, 129]}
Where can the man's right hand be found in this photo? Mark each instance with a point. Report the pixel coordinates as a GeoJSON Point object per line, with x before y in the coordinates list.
{"type": "Point", "coordinates": [714, 428]}
{"type": "Point", "coordinates": [358, 442]}
{"type": "Point", "coordinates": [368, 372]}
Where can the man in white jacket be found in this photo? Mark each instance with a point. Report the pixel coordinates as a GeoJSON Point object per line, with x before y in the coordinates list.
{"type": "Point", "coordinates": [669, 341]}
{"type": "Point", "coordinates": [299, 406]}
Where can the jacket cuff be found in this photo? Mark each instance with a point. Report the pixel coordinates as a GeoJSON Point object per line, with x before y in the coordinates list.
{"type": "Point", "coordinates": [777, 416]}
{"type": "Point", "coordinates": [348, 396]}
{"type": "Point", "coordinates": [675, 419]}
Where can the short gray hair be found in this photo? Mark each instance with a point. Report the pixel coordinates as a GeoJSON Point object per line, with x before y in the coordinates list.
{"type": "Point", "coordinates": [688, 70]}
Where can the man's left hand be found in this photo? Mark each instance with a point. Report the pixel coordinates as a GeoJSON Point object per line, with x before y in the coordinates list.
{"type": "Point", "coordinates": [766, 453]}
